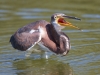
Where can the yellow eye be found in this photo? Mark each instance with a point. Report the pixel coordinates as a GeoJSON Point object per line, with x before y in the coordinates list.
{"type": "Point", "coordinates": [55, 17]}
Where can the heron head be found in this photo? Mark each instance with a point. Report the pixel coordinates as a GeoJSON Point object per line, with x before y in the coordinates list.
{"type": "Point", "coordinates": [59, 19]}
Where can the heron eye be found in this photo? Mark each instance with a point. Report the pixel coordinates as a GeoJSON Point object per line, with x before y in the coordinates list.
{"type": "Point", "coordinates": [55, 17]}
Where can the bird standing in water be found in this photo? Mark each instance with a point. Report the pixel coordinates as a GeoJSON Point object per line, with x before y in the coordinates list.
{"type": "Point", "coordinates": [45, 33]}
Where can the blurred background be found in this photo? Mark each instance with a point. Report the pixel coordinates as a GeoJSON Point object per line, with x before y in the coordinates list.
{"type": "Point", "coordinates": [84, 56]}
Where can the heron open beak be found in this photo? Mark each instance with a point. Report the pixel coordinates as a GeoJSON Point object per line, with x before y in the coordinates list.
{"type": "Point", "coordinates": [62, 22]}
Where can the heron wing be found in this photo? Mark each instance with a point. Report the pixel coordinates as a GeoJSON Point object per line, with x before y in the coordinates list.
{"type": "Point", "coordinates": [24, 40]}
{"type": "Point", "coordinates": [27, 36]}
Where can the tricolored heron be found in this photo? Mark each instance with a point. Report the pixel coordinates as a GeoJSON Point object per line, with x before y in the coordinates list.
{"type": "Point", "coordinates": [45, 33]}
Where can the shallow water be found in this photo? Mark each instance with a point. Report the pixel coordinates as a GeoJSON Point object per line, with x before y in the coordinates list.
{"type": "Point", "coordinates": [84, 56]}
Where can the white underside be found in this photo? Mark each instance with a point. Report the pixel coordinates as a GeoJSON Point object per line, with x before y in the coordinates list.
{"type": "Point", "coordinates": [57, 26]}
{"type": "Point", "coordinates": [67, 42]}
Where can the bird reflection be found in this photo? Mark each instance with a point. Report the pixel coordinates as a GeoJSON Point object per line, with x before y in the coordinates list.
{"type": "Point", "coordinates": [42, 67]}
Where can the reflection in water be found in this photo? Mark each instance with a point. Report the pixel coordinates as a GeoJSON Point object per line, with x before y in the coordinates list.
{"type": "Point", "coordinates": [84, 56]}
{"type": "Point", "coordinates": [42, 67]}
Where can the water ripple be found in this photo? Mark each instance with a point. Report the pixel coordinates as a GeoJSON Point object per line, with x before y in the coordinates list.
{"type": "Point", "coordinates": [4, 11]}
{"type": "Point", "coordinates": [91, 16]}
{"type": "Point", "coordinates": [34, 10]}
{"type": "Point", "coordinates": [89, 30]}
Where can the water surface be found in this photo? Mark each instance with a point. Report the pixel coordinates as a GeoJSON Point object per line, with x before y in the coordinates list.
{"type": "Point", "coordinates": [84, 56]}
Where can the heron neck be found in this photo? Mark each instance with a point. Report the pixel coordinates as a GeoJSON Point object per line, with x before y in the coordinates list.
{"type": "Point", "coordinates": [55, 33]}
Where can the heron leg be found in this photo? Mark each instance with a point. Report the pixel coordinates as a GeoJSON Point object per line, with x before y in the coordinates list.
{"type": "Point", "coordinates": [29, 50]}
{"type": "Point", "coordinates": [43, 48]}
{"type": "Point", "coordinates": [46, 55]}
{"type": "Point", "coordinates": [47, 52]}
